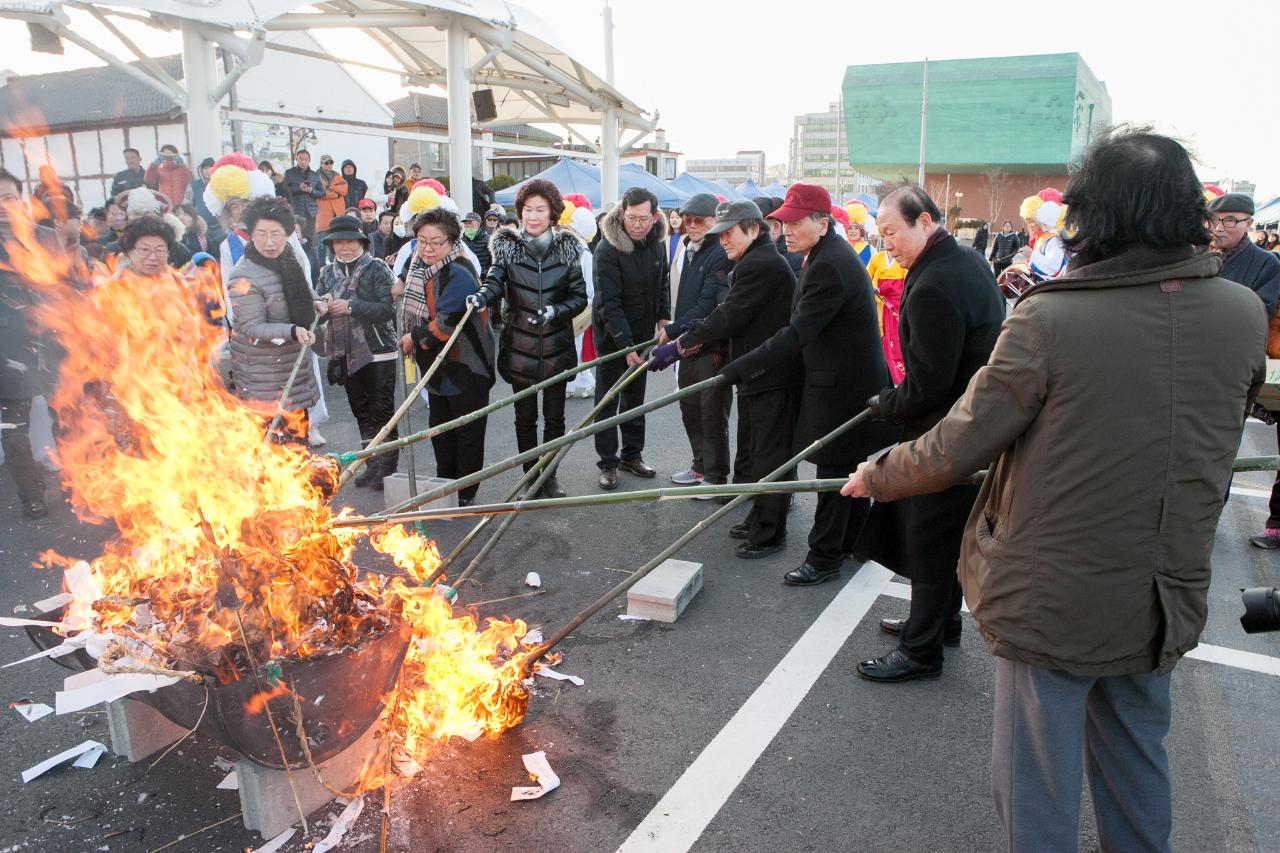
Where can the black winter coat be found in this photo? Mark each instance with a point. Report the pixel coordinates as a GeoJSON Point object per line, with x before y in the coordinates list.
{"type": "Point", "coordinates": [833, 328]}
{"type": "Point", "coordinates": [703, 283]}
{"type": "Point", "coordinates": [480, 245]}
{"type": "Point", "coordinates": [632, 282]}
{"type": "Point", "coordinates": [757, 305]}
{"type": "Point", "coordinates": [371, 305]}
{"type": "Point", "coordinates": [532, 349]}
{"type": "Point", "coordinates": [980, 239]}
{"type": "Point", "coordinates": [948, 324]}
{"type": "Point", "coordinates": [1005, 246]}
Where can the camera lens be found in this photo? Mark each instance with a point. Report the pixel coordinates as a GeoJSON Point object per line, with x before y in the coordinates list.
{"type": "Point", "coordinates": [1261, 609]}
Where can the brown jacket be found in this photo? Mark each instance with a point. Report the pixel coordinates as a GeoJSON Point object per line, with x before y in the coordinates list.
{"type": "Point", "coordinates": [1112, 407]}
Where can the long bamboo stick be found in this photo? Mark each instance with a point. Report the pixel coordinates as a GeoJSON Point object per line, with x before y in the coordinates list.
{"type": "Point", "coordinates": [555, 444]}
{"type": "Point", "coordinates": [664, 493]}
{"type": "Point", "coordinates": [547, 472]}
{"type": "Point", "coordinates": [293, 377]}
{"type": "Point", "coordinates": [539, 473]}
{"type": "Point", "coordinates": [471, 417]}
{"type": "Point", "coordinates": [350, 470]}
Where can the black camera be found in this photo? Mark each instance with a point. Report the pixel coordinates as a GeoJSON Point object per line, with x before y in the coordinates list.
{"type": "Point", "coordinates": [1261, 609]}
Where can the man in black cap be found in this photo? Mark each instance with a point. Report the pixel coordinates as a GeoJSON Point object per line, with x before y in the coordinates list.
{"type": "Point", "coordinates": [757, 305]}
{"type": "Point", "coordinates": [1230, 217]}
{"type": "Point", "coordinates": [477, 238]}
{"type": "Point", "coordinates": [699, 278]}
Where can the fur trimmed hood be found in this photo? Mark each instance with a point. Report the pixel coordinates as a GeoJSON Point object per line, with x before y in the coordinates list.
{"type": "Point", "coordinates": [613, 230]}
{"type": "Point", "coordinates": [507, 246]}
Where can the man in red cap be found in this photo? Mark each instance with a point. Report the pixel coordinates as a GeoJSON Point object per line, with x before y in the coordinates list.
{"type": "Point", "coordinates": [833, 330]}
{"type": "Point", "coordinates": [368, 215]}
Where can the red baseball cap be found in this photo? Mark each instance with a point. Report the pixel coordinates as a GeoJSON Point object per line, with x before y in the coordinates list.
{"type": "Point", "coordinates": [801, 200]}
{"type": "Point", "coordinates": [366, 202]}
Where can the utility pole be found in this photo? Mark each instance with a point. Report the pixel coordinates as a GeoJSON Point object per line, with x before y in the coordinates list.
{"type": "Point", "coordinates": [924, 114]}
{"type": "Point", "coordinates": [608, 123]}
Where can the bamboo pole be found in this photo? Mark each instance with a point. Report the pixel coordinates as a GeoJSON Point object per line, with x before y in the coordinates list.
{"type": "Point", "coordinates": [350, 470]}
{"type": "Point", "coordinates": [664, 493]}
{"type": "Point", "coordinates": [555, 444]}
{"type": "Point", "coordinates": [548, 470]}
{"type": "Point", "coordinates": [471, 417]}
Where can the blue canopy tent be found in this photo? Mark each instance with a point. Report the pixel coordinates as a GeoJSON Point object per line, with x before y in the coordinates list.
{"type": "Point", "coordinates": [774, 189]}
{"type": "Point", "coordinates": [1269, 213]}
{"type": "Point", "coordinates": [749, 189]}
{"type": "Point", "coordinates": [693, 185]}
{"type": "Point", "coordinates": [728, 190]}
{"type": "Point", "coordinates": [569, 176]}
{"type": "Point", "coordinates": [631, 175]}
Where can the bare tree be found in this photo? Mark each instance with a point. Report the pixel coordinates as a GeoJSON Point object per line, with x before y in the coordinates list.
{"type": "Point", "coordinates": [937, 190]}
{"type": "Point", "coordinates": [996, 182]}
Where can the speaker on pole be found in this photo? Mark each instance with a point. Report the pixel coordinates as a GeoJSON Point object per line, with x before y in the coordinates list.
{"type": "Point", "coordinates": [482, 99]}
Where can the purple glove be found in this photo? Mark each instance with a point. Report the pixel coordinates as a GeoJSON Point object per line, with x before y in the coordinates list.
{"type": "Point", "coordinates": [664, 356]}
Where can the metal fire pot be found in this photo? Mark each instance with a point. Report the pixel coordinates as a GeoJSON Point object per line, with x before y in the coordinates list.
{"type": "Point", "coordinates": [340, 694]}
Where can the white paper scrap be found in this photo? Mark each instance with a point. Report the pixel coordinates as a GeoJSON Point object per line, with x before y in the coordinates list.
{"type": "Point", "coordinates": [532, 637]}
{"type": "Point", "coordinates": [76, 752]}
{"type": "Point", "coordinates": [230, 783]}
{"type": "Point", "coordinates": [18, 622]}
{"type": "Point", "coordinates": [548, 781]}
{"type": "Point", "coordinates": [549, 673]}
{"type": "Point", "coordinates": [66, 647]}
{"type": "Point", "coordinates": [627, 617]}
{"type": "Point", "coordinates": [53, 602]}
{"type": "Point", "coordinates": [85, 689]}
{"type": "Point", "coordinates": [276, 843]}
{"type": "Point", "coordinates": [89, 757]}
{"type": "Point", "coordinates": [32, 711]}
{"type": "Point", "coordinates": [532, 580]}
{"type": "Point", "coordinates": [340, 826]}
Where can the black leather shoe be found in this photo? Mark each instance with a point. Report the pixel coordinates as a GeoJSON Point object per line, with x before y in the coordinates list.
{"type": "Point", "coordinates": [35, 509]}
{"type": "Point", "coordinates": [552, 489]}
{"type": "Point", "coordinates": [808, 575]}
{"type": "Point", "coordinates": [893, 627]}
{"type": "Point", "coordinates": [608, 479]}
{"type": "Point", "coordinates": [752, 551]}
{"type": "Point", "coordinates": [636, 466]}
{"type": "Point", "coordinates": [896, 666]}
{"type": "Point", "coordinates": [370, 472]}
{"type": "Point", "coordinates": [740, 531]}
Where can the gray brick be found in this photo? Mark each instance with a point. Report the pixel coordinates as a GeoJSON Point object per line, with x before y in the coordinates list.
{"type": "Point", "coordinates": [395, 490]}
{"type": "Point", "coordinates": [665, 592]}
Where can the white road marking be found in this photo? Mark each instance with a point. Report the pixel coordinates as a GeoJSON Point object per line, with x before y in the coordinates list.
{"type": "Point", "coordinates": [681, 816]}
{"type": "Point", "coordinates": [1248, 492]}
{"type": "Point", "coordinates": [1252, 661]}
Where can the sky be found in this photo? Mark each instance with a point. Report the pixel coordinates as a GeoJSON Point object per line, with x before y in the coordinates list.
{"type": "Point", "coordinates": [731, 76]}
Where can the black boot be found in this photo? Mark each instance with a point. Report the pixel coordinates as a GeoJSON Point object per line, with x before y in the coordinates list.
{"type": "Point", "coordinates": [552, 489]}
{"type": "Point", "coordinates": [371, 471]}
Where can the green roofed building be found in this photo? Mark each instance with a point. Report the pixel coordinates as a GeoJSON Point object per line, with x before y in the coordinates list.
{"type": "Point", "coordinates": [1026, 117]}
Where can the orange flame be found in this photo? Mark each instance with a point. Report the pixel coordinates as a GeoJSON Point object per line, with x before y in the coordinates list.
{"type": "Point", "coordinates": [214, 521]}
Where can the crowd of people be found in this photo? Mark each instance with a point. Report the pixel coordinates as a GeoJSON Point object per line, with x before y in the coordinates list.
{"type": "Point", "coordinates": [1115, 309]}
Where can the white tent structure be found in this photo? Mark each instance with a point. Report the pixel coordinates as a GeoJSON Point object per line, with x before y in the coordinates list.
{"type": "Point", "coordinates": [454, 44]}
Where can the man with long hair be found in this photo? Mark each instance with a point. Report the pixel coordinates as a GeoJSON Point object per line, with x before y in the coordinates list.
{"type": "Point", "coordinates": [1108, 415]}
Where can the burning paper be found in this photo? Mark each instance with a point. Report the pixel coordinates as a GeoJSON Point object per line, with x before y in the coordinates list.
{"type": "Point", "coordinates": [539, 769]}
{"type": "Point", "coordinates": [86, 755]}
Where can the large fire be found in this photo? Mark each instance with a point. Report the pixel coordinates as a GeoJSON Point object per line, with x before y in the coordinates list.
{"type": "Point", "coordinates": [224, 542]}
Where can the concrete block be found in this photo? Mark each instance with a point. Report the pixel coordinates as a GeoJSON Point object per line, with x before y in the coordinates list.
{"type": "Point", "coordinates": [138, 730]}
{"type": "Point", "coordinates": [664, 593]}
{"type": "Point", "coordinates": [266, 799]}
{"type": "Point", "coordinates": [395, 490]}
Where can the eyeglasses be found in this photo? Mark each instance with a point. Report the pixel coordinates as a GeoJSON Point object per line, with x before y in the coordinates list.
{"type": "Point", "coordinates": [435, 244]}
{"type": "Point", "coordinates": [638, 220]}
{"type": "Point", "coordinates": [1229, 221]}
{"type": "Point", "coordinates": [161, 252]}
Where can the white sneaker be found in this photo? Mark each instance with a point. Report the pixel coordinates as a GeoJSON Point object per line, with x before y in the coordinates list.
{"type": "Point", "coordinates": [315, 439]}
{"type": "Point", "coordinates": [686, 478]}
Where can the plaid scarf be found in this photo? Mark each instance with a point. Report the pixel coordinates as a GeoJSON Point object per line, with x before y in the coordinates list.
{"type": "Point", "coordinates": [413, 306]}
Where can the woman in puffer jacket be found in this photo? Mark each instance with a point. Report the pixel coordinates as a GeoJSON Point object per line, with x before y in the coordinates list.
{"type": "Point", "coordinates": [537, 273]}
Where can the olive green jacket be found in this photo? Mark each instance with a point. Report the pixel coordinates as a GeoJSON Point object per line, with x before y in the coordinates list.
{"type": "Point", "coordinates": [1110, 411]}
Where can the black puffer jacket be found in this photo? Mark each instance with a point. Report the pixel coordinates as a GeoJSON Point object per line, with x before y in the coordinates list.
{"type": "Point", "coordinates": [529, 275]}
{"type": "Point", "coordinates": [633, 283]}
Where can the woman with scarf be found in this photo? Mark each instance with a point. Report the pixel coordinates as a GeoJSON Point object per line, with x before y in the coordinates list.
{"type": "Point", "coordinates": [537, 273]}
{"type": "Point", "coordinates": [438, 282]}
{"type": "Point", "coordinates": [361, 342]}
{"type": "Point", "coordinates": [272, 309]}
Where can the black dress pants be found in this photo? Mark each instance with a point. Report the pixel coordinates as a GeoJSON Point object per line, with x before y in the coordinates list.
{"type": "Point", "coordinates": [527, 417]}
{"type": "Point", "coordinates": [371, 393]}
{"type": "Point", "coordinates": [18, 459]}
{"type": "Point", "coordinates": [772, 416]}
{"type": "Point", "coordinates": [934, 607]}
{"type": "Point", "coordinates": [460, 451]}
{"type": "Point", "coordinates": [632, 431]}
{"type": "Point", "coordinates": [1273, 519]}
{"type": "Point", "coordinates": [836, 522]}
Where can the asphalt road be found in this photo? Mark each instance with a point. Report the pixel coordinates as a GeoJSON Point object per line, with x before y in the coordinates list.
{"type": "Point", "coordinates": [739, 728]}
